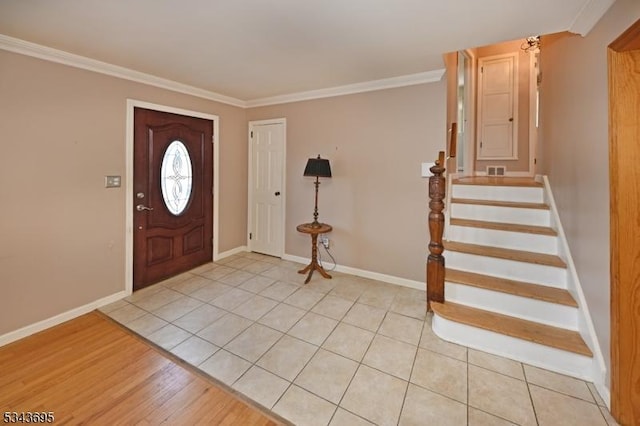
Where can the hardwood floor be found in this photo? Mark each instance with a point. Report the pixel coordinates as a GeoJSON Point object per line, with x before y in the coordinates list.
{"type": "Point", "coordinates": [509, 227]}
{"type": "Point", "coordinates": [498, 181]}
{"type": "Point", "coordinates": [91, 371]}
{"type": "Point", "coordinates": [514, 204]}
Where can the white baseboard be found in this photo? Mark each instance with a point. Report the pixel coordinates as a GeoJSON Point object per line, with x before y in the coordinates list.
{"type": "Point", "coordinates": [586, 327]}
{"type": "Point", "coordinates": [364, 274]}
{"type": "Point", "coordinates": [599, 381]}
{"type": "Point", "coordinates": [12, 336]}
{"type": "Point", "coordinates": [230, 253]}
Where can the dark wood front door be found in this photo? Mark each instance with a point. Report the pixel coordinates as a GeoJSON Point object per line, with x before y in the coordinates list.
{"type": "Point", "coordinates": [172, 190]}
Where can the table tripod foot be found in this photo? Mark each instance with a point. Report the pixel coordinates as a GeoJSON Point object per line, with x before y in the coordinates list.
{"type": "Point", "coordinates": [323, 272]}
{"type": "Point", "coordinates": [306, 269]}
{"type": "Point", "coordinates": [309, 277]}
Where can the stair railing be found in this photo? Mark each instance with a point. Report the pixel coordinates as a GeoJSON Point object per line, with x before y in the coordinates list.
{"type": "Point", "coordinates": [435, 261]}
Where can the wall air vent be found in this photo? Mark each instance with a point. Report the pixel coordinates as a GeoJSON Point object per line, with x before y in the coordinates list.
{"type": "Point", "coordinates": [496, 170]}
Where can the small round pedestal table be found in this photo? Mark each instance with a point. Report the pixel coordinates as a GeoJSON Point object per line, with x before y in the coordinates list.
{"type": "Point", "coordinates": [314, 231]}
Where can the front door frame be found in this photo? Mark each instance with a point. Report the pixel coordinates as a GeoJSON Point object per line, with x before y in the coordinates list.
{"type": "Point", "coordinates": [128, 178]}
{"type": "Point", "coordinates": [252, 124]}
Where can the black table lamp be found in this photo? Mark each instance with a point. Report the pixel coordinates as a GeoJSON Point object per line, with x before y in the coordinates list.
{"type": "Point", "coordinates": [318, 167]}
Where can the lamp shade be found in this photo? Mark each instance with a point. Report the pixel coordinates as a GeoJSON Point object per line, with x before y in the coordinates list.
{"type": "Point", "coordinates": [318, 167]}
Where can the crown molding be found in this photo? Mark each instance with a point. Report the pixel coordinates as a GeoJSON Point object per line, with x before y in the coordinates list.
{"type": "Point", "coordinates": [27, 48]}
{"type": "Point", "coordinates": [54, 55]}
{"type": "Point", "coordinates": [367, 86]}
{"type": "Point", "coordinates": [589, 16]}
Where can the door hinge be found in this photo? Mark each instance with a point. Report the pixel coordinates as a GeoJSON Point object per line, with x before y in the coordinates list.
{"type": "Point", "coordinates": [250, 236]}
{"type": "Point", "coordinates": [535, 161]}
{"type": "Point", "coordinates": [481, 69]}
{"type": "Point", "coordinates": [480, 144]}
{"type": "Point", "coordinates": [252, 133]}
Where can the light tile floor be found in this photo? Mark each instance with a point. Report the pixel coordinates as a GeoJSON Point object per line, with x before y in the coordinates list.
{"type": "Point", "coordinates": [345, 351]}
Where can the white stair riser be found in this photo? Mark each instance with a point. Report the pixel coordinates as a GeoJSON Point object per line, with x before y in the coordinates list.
{"type": "Point", "coordinates": [521, 216]}
{"type": "Point", "coordinates": [508, 304]}
{"type": "Point", "coordinates": [499, 193]}
{"type": "Point", "coordinates": [520, 271]}
{"type": "Point", "coordinates": [553, 359]}
{"type": "Point", "coordinates": [505, 239]}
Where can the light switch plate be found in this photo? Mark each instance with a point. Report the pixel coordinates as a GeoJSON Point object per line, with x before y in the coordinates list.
{"type": "Point", "coordinates": [112, 181]}
{"type": "Point", "coordinates": [425, 169]}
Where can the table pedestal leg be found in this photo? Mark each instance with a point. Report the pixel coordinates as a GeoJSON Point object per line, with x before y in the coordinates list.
{"type": "Point", "coordinates": [314, 265]}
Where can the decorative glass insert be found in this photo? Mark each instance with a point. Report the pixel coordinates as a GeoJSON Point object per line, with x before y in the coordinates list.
{"type": "Point", "coordinates": [176, 177]}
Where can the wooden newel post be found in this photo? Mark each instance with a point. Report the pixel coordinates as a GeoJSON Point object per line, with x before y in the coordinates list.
{"type": "Point", "coordinates": [435, 261]}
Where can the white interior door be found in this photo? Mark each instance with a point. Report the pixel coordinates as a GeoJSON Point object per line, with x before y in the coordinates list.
{"type": "Point", "coordinates": [266, 187]}
{"type": "Point", "coordinates": [497, 107]}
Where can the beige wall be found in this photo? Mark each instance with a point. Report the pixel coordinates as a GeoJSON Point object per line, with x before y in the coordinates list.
{"type": "Point", "coordinates": [62, 233]}
{"type": "Point", "coordinates": [574, 149]}
{"type": "Point", "coordinates": [522, 163]}
{"type": "Point", "coordinates": [376, 200]}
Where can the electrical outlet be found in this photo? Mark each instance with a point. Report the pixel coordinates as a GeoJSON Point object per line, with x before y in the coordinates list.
{"type": "Point", "coordinates": [325, 241]}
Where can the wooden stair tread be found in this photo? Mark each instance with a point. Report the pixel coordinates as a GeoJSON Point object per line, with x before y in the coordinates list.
{"type": "Point", "coordinates": [508, 254]}
{"type": "Point", "coordinates": [514, 204]}
{"type": "Point", "coordinates": [517, 288]}
{"type": "Point", "coordinates": [499, 226]}
{"type": "Point", "coordinates": [554, 337]}
{"type": "Point", "coordinates": [497, 181]}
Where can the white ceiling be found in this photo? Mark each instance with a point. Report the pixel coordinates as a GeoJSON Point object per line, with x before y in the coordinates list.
{"type": "Point", "coordinates": [252, 49]}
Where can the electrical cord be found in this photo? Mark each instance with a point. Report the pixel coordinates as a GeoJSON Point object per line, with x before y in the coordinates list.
{"type": "Point", "coordinates": [330, 255]}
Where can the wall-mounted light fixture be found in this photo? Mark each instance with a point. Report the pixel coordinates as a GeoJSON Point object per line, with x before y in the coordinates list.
{"type": "Point", "coordinates": [532, 44]}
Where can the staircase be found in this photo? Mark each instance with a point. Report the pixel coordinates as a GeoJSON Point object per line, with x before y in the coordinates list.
{"type": "Point", "coordinates": [505, 285]}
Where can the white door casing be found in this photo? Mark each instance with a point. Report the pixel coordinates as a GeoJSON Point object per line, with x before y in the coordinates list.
{"type": "Point", "coordinates": [267, 141]}
{"type": "Point", "coordinates": [466, 127]}
{"type": "Point", "coordinates": [463, 110]}
{"type": "Point", "coordinates": [534, 69]}
{"type": "Point", "coordinates": [498, 107]}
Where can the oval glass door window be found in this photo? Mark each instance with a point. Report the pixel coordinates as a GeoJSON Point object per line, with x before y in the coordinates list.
{"type": "Point", "coordinates": [176, 178]}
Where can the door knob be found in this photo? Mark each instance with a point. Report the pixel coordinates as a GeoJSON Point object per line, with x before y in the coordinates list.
{"type": "Point", "coordinates": [511, 119]}
{"type": "Point", "coordinates": [277, 193]}
{"type": "Point", "coordinates": [140, 208]}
